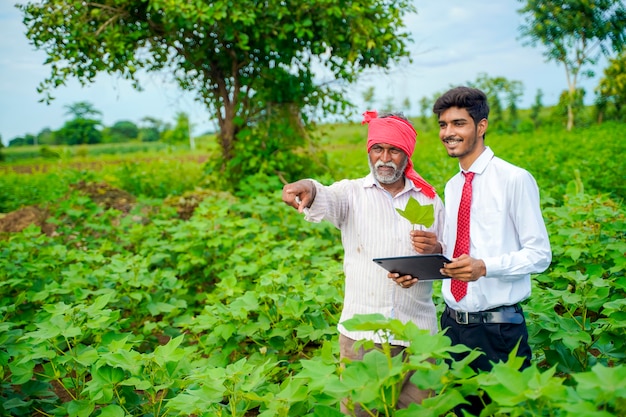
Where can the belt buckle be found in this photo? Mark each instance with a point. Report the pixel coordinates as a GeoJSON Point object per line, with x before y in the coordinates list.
{"type": "Point", "coordinates": [461, 317]}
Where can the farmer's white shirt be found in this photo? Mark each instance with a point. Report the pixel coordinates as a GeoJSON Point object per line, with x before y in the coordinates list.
{"type": "Point", "coordinates": [372, 228]}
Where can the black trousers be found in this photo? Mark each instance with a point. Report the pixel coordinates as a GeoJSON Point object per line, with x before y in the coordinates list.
{"type": "Point", "coordinates": [495, 340]}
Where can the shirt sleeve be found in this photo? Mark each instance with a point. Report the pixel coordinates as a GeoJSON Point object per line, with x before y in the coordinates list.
{"type": "Point", "coordinates": [331, 203]}
{"type": "Point", "coordinates": [440, 216]}
{"type": "Point", "coordinates": [531, 252]}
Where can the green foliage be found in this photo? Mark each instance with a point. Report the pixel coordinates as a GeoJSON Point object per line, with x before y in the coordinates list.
{"type": "Point", "coordinates": [82, 129]}
{"type": "Point", "coordinates": [82, 110]}
{"type": "Point", "coordinates": [181, 131]}
{"type": "Point", "coordinates": [503, 95]}
{"type": "Point", "coordinates": [79, 132]}
{"type": "Point", "coordinates": [151, 178]}
{"type": "Point", "coordinates": [281, 148]}
{"type": "Point", "coordinates": [575, 33]}
{"type": "Point", "coordinates": [19, 190]}
{"type": "Point", "coordinates": [26, 140]}
{"type": "Point", "coordinates": [611, 99]}
{"type": "Point", "coordinates": [554, 156]}
{"type": "Point", "coordinates": [157, 181]}
{"type": "Point", "coordinates": [47, 153]}
{"type": "Point", "coordinates": [500, 92]}
{"type": "Point", "coordinates": [239, 59]}
{"type": "Point", "coordinates": [149, 135]}
{"type": "Point", "coordinates": [233, 310]}
{"type": "Point", "coordinates": [92, 155]}
{"type": "Point", "coordinates": [121, 131]}
{"type": "Point", "coordinates": [571, 102]}
{"type": "Point", "coordinates": [46, 137]}
{"type": "Point", "coordinates": [579, 317]}
{"type": "Point", "coordinates": [535, 110]}
{"type": "Point", "coordinates": [418, 214]}
{"type": "Point", "coordinates": [111, 290]}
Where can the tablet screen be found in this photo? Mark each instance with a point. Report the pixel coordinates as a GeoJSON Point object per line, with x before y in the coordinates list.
{"type": "Point", "coordinates": [422, 267]}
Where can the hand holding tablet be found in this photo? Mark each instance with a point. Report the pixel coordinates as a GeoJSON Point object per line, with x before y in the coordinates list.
{"type": "Point", "coordinates": [422, 267]}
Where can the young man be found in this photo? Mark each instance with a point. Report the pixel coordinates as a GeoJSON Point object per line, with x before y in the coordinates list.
{"type": "Point", "coordinates": [494, 235]}
{"type": "Point", "coordinates": [365, 211]}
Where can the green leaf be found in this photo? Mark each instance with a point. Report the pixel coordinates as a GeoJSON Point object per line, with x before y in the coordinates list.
{"type": "Point", "coordinates": [418, 214]}
{"type": "Point", "coordinates": [317, 374]}
{"type": "Point", "coordinates": [168, 352]}
{"type": "Point", "coordinates": [21, 372]}
{"type": "Point", "coordinates": [80, 408]}
{"type": "Point", "coordinates": [112, 410]}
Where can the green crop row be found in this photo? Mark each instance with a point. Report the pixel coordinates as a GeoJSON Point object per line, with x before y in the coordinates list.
{"type": "Point", "coordinates": [235, 310]}
{"type": "Point", "coordinates": [207, 304]}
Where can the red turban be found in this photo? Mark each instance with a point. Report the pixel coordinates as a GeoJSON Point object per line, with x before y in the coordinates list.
{"type": "Point", "coordinates": [397, 132]}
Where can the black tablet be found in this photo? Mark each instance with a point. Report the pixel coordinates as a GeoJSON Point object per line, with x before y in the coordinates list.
{"type": "Point", "coordinates": [422, 267]}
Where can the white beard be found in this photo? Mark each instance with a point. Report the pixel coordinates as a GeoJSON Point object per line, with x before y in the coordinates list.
{"type": "Point", "coordinates": [391, 178]}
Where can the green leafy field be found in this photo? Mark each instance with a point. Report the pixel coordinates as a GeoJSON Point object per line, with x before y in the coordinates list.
{"type": "Point", "coordinates": [152, 294]}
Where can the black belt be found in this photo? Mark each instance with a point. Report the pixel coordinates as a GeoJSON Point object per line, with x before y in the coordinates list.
{"type": "Point", "coordinates": [503, 314]}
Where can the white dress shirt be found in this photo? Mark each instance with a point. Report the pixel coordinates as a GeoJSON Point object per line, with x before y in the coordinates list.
{"type": "Point", "coordinates": [507, 232]}
{"type": "Point", "coordinates": [372, 228]}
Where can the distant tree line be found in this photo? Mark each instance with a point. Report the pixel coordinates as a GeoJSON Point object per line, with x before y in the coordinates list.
{"type": "Point", "coordinates": [85, 127]}
{"type": "Point", "coordinates": [504, 99]}
{"type": "Point", "coordinates": [255, 67]}
{"type": "Point", "coordinates": [574, 34]}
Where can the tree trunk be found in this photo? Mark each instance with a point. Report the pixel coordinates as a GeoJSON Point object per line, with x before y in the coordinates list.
{"type": "Point", "coordinates": [226, 122]}
{"type": "Point", "coordinates": [570, 117]}
{"type": "Point", "coordinates": [226, 138]}
{"type": "Point", "coordinates": [571, 75]}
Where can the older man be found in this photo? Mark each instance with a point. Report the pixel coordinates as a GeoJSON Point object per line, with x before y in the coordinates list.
{"type": "Point", "coordinates": [365, 211]}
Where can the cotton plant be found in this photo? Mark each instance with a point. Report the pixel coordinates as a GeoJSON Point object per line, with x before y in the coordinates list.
{"type": "Point", "coordinates": [417, 214]}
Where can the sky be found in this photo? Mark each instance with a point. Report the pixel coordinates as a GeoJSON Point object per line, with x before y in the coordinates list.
{"type": "Point", "coordinates": [454, 41]}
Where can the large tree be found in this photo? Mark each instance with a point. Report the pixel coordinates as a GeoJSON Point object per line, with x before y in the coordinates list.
{"type": "Point", "coordinates": [82, 110]}
{"type": "Point", "coordinates": [121, 131]}
{"type": "Point", "coordinates": [575, 33]}
{"type": "Point", "coordinates": [499, 90]}
{"type": "Point", "coordinates": [83, 128]}
{"type": "Point", "coordinates": [79, 132]}
{"type": "Point", "coordinates": [242, 58]}
{"type": "Point", "coordinates": [612, 89]}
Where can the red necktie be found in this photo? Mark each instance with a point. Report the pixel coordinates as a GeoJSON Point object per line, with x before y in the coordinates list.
{"type": "Point", "coordinates": [459, 288]}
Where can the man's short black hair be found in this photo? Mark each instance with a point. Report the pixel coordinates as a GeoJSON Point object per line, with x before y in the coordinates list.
{"type": "Point", "coordinates": [471, 99]}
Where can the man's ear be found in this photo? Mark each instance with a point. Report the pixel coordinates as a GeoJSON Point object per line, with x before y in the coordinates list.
{"type": "Point", "coordinates": [482, 127]}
